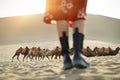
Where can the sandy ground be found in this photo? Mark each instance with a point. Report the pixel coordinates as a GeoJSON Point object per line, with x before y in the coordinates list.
{"type": "Point", "coordinates": [101, 68]}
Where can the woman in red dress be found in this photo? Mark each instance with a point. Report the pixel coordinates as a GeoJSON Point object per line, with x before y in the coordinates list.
{"type": "Point", "coordinates": [63, 11]}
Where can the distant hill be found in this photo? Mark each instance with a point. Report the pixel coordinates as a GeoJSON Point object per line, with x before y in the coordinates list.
{"type": "Point", "coordinates": [32, 28]}
{"type": "Point", "coordinates": [103, 28]}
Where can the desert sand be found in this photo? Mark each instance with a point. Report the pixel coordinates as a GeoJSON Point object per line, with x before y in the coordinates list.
{"type": "Point", "coordinates": [101, 68]}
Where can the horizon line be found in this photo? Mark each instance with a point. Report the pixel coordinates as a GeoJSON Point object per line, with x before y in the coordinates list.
{"type": "Point", "coordinates": [43, 13]}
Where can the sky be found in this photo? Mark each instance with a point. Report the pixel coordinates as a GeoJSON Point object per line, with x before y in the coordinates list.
{"type": "Point", "coordinates": [110, 8]}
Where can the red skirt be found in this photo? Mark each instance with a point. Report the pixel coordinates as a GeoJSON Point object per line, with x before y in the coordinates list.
{"type": "Point", "coordinates": [69, 10]}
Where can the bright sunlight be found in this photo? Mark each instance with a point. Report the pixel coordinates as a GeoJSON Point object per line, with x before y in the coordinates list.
{"type": "Point", "coordinates": [27, 7]}
{"type": "Point", "coordinates": [21, 7]}
{"type": "Point", "coordinates": [34, 6]}
{"type": "Point", "coordinates": [42, 5]}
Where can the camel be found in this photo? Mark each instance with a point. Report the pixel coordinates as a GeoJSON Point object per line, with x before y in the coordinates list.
{"type": "Point", "coordinates": [57, 52]}
{"type": "Point", "coordinates": [87, 51]}
{"type": "Point", "coordinates": [100, 51]}
{"type": "Point", "coordinates": [53, 52]}
{"type": "Point", "coordinates": [106, 51]}
{"type": "Point", "coordinates": [34, 52]}
{"type": "Point", "coordinates": [115, 52]}
{"type": "Point", "coordinates": [46, 53]}
{"type": "Point", "coordinates": [23, 51]}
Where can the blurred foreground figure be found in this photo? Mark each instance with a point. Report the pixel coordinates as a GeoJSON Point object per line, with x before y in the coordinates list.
{"type": "Point", "coordinates": [65, 13]}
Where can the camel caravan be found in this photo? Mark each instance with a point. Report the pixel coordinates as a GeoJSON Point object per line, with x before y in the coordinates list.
{"type": "Point", "coordinates": [36, 53]}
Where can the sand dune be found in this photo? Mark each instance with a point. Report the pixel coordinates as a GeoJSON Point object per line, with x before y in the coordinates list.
{"type": "Point", "coordinates": [30, 31]}
{"type": "Point", "coordinates": [32, 28]}
{"type": "Point", "coordinates": [102, 68]}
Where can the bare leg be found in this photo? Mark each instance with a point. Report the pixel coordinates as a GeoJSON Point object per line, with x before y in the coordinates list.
{"type": "Point", "coordinates": [80, 24]}
{"type": "Point", "coordinates": [62, 28]}
{"type": "Point", "coordinates": [78, 38]}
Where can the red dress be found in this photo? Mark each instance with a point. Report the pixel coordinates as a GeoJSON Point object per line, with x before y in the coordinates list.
{"type": "Point", "coordinates": [69, 10]}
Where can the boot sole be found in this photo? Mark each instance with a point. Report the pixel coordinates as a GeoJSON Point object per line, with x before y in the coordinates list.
{"type": "Point", "coordinates": [80, 65]}
{"type": "Point", "coordinates": [68, 66]}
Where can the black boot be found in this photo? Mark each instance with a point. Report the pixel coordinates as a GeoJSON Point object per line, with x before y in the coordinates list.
{"type": "Point", "coordinates": [65, 52]}
{"type": "Point", "coordinates": [78, 60]}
